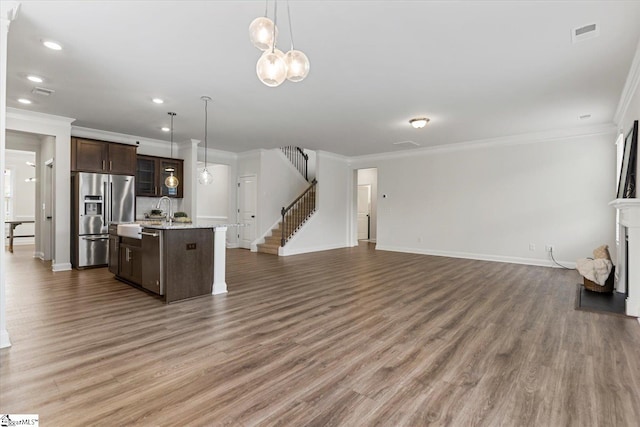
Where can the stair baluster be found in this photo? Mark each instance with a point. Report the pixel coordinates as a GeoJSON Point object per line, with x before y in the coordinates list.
{"type": "Point", "coordinates": [294, 215]}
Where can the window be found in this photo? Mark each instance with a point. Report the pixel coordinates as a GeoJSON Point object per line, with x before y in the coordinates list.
{"type": "Point", "coordinates": [8, 194]}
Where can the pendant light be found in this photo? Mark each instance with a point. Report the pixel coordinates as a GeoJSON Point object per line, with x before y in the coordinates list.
{"type": "Point", "coordinates": [205, 176]}
{"type": "Point", "coordinates": [263, 31]}
{"type": "Point", "coordinates": [271, 67]}
{"type": "Point", "coordinates": [171, 181]}
{"type": "Point", "coordinates": [297, 62]}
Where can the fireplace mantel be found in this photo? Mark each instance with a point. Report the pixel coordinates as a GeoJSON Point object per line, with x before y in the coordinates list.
{"type": "Point", "coordinates": [628, 253]}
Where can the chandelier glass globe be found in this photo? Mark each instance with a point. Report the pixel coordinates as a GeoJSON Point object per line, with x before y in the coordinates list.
{"type": "Point", "coordinates": [272, 68]}
{"type": "Point", "coordinates": [205, 177]}
{"type": "Point", "coordinates": [297, 65]}
{"type": "Point", "coordinates": [261, 32]}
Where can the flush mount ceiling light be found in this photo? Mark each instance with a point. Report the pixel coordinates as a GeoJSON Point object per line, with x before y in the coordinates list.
{"type": "Point", "coordinates": [158, 101]}
{"type": "Point", "coordinates": [52, 45]}
{"type": "Point", "coordinates": [274, 67]}
{"type": "Point", "coordinates": [24, 101]}
{"type": "Point", "coordinates": [171, 181]}
{"type": "Point", "coordinates": [205, 176]}
{"type": "Point", "coordinates": [419, 123]}
{"type": "Point", "coordinates": [35, 79]}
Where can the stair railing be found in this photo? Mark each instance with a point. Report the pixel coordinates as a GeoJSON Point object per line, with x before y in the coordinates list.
{"type": "Point", "coordinates": [294, 215]}
{"type": "Point", "coordinates": [298, 158]}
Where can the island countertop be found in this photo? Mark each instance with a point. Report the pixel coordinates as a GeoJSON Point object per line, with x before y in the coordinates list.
{"type": "Point", "coordinates": [183, 225]}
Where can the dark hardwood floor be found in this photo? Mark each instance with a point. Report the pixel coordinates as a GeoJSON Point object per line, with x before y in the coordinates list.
{"type": "Point", "coordinates": [352, 337]}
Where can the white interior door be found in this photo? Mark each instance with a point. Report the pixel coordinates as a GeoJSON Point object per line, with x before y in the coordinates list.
{"type": "Point", "coordinates": [247, 197]}
{"type": "Point", "coordinates": [364, 211]}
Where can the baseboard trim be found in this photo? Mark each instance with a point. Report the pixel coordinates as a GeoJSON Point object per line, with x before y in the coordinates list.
{"type": "Point", "coordinates": [479, 257]}
{"type": "Point", "coordinates": [286, 252]}
{"type": "Point", "coordinates": [39, 255]}
{"type": "Point", "coordinates": [63, 266]}
{"type": "Point", "coordinates": [4, 339]}
{"type": "Point", "coordinates": [232, 246]}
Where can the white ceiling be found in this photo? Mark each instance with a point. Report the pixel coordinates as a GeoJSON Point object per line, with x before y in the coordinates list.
{"type": "Point", "coordinates": [478, 69]}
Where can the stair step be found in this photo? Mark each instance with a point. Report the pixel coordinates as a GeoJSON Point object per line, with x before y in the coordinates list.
{"type": "Point", "coordinates": [268, 248]}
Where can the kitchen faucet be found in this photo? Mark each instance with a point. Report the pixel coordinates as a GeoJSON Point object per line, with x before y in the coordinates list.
{"type": "Point", "coordinates": [170, 214]}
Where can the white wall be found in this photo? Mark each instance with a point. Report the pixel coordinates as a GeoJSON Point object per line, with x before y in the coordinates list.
{"type": "Point", "coordinates": [493, 201]}
{"type": "Point", "coordinates": [369, 176]}
{"type": "Point", "coordinates": [629, 108]}
{"type": "Point", "coordinates": [213, 199]}
{"type": "Point", "coordinates": [330, 226]}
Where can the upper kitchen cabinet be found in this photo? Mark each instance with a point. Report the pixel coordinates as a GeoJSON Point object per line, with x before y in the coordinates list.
{"type": "Point", "coordinates": [151, 174]}
{"type": "Point", "coordinates": [90, 155]}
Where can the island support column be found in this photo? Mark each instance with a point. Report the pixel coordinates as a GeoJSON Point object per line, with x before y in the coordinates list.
{"type": "Point", "coordinates": [219, 260]}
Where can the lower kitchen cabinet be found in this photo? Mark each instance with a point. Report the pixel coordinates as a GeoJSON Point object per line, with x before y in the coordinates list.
{"type": "Point", "coordinates": [130, 260]}
{"type": "Point", "coordinates": [173, 262]}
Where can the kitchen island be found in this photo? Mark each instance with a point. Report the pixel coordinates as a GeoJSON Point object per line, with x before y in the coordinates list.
{"type": "Point", "coordinates": [172, 260]}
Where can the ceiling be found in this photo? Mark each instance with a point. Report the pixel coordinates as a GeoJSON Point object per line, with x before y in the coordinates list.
{"type": "Point", "coordinates": [477, 69]}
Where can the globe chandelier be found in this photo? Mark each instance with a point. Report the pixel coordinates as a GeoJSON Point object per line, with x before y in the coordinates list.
{"type": "Point", "coordinates": [274, 66]}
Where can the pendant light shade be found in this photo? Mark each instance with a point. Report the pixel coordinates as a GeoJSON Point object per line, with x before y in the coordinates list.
{"type": "Point", "coordinates": [204, 176]}
{"type": "Point", "coordinates": [262, 33]}
{"type": "Point", "coordinates": [272, 68]}
{"type": "Point", "coordinates": [171, 181]}
{"type": "Point", "coordinates": [297, 65]}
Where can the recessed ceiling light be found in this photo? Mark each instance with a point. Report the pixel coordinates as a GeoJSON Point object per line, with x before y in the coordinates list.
{"type": "Point", "coordinates": [419, 123]}
{"type": "Point", "coordinates": [158, 101]}
{"type": "Point", "coordinates": [35, 79]}
{"type": "Point", "coordinates": [24, 101]}
{"type": "Point", "coordinates": [52, 45]}
{"type": "Point", "coordinates": [165, 129]}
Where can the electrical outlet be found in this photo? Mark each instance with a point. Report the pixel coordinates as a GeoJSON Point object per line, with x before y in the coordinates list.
{"type": "Point", "coordinates": [532, 247]}
{"type": "Point", "coordinates": [548, 248]}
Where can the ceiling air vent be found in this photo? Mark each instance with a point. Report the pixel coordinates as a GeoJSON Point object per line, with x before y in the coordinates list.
{"type": "Point", "coordinates": [42, 91]}
{"type": "Point", "coordinates": [585, 32]}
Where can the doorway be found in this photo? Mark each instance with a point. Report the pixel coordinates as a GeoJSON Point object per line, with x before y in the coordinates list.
{"type": "Point", "coordinates": [367, 204]}
{"type": "Point", "coordinates": [247, 203]}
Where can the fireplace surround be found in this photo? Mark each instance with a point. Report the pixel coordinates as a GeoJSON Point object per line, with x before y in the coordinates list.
{"type": "Point", "coordinates": [628, 253]}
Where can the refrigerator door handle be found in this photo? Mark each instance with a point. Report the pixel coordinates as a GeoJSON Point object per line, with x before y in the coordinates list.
{"type": "Point", "coordinates": [94, 239]}
{"type": "Point", "coordinates": [105, 207]}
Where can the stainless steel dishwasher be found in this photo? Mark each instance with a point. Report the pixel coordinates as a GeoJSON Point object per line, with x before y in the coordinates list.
{"type": "Point", "coordinates": [152, 272]}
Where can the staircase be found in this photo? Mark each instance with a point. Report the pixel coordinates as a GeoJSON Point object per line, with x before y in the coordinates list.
{"type": "Point", "coordinates": [293, 218]}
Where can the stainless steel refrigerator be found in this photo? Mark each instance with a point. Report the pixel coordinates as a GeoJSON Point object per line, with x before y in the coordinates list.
{"type": "Point", "coordinates": [98, 200]}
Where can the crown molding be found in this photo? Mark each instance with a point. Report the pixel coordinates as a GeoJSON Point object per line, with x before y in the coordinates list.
{"type": "Point", "coordinates": [42, 118]}
{"type": "Point", "coordinates": [630, 87]}
{"type": "Point", "coordinates": [511, 140]}
{"type": "Point", "coordinates": [122, 138]}
{"type": "Point", "coordinates": [329, 154]}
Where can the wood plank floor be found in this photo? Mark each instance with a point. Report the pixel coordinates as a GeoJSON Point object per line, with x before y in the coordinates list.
{"type": "Point", "coordinates": [352, 337]}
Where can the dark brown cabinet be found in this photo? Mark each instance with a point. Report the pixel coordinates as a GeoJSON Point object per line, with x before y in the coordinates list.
{"type": "Point", "coordinates": [130, 260]}
{"type": "Point", "coordinates": [151, 173]}
{"type": "Point", "coordinates": [90, 155]}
